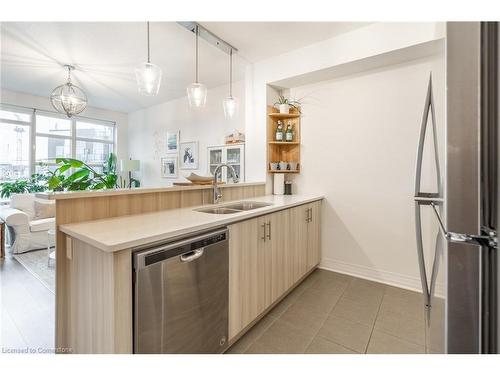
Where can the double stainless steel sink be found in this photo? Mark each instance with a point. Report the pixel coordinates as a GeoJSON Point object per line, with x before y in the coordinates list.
{"type": "Point", "coordinates": [233, 208]}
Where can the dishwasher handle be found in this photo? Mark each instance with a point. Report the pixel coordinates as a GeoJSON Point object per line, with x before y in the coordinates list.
{"type": "Point", "coordinates": [191, 255]}
{"type": "Point", "coordinates": [187, 249]}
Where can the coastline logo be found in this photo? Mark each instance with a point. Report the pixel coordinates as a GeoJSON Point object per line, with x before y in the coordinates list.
{"type": "Point", "coordinates": [37, 350]}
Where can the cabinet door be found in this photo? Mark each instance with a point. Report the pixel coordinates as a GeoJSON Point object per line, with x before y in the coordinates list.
{"type": "Point", "coordinates": [267, 234]}
{"type": "Point", "coordinates": [314, 235]}
{"type": "Point", "coordinates": [235, 156]}
{"type": "Point", "coordinates": [279, 234]}
{"type": "Point", "coordinates": [247, 274]}
{"type": "Point", "coordinates": [215, 157]}
{"type": "Point", "coordinates": [298, 243]}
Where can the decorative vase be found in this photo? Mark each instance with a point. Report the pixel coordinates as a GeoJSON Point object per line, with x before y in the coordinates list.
{"type": "Point", "coordinates": [284, 108]}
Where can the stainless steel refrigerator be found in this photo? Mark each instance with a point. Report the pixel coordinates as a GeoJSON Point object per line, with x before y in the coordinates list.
{"type": "Point", "coordinates": [464, 318]}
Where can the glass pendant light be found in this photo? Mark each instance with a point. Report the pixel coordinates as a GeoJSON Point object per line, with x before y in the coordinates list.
{"type": "Point", "coordinates": [148, 75]}
{"type": "Point", "coordinates": [197, 92]}
{"type": "Point", "coordinates": [68, 99]}
{"type": "Point", "coordinates": [230, 103]}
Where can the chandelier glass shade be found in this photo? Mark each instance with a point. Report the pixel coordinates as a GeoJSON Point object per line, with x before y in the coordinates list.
{"type": "Point", "coordinates": [148, 75]}
{"type": "Point", "coordinates": [148, 78]}
{"type": "Point", "coordinates": [230, 104]}
{"type": "Point", "coordinates": [68, 98]}
{"type": "Point", "coordinates": [197, 95]}
{"type": "Point", "coordinates": [197, 92]}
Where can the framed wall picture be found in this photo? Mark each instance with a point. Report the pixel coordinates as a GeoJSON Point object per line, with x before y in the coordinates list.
{"type": "Point", "coordinates": [173, 142]}
{"type": "Point", "coordinates": [189, 156]}
{"type": "Point", "coordinates": [169, 167]}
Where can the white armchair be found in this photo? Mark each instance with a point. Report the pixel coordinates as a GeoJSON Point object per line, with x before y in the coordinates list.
{"type": "Point", "coordinates": [28, 219]}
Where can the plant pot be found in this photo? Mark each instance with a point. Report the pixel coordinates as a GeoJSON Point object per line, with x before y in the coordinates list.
{"type": "Point", "coordinates": [293, 165]}
{"type": "Point", "coordinates": [284, 108]}
{"type": "Point", "coordinates": [283, 166]}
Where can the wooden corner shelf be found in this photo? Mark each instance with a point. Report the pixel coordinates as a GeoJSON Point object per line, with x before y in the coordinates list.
{"type": "Point", "coordinates": [281, 116]}
{"type": "Point", "coordinates": [287, 171]}
{"type": "Point", "coordinates": [281, 150]}
{"type": "Point", "coordinates": [283, 143]}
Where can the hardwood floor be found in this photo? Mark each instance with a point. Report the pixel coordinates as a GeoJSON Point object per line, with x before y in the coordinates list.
{"type": "Point", "coordinates": [27, 310]}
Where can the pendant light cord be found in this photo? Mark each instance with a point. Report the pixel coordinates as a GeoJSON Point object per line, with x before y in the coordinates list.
{"type": "Point", "coordinates": [196, 54]}
{"type": "Point", "coordinates": [149, 60]}
{"type": "Point", "coordinates": [231, 73]}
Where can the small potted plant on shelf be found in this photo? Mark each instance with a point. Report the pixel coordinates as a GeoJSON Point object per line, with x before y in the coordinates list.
{"type": "Point", "coordinates": [284, 104]}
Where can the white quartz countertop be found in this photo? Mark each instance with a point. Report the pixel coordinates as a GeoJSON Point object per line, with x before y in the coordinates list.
{"type": "Point", "coordinates": [123, 232]}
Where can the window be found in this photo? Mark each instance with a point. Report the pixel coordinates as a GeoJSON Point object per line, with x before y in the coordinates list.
{"type": "Point", "coordinates": [50, 136]}
{"type": "Point", "coordinates": [14, 145]}
{"type": "Point", "coordinates": [94, 142]}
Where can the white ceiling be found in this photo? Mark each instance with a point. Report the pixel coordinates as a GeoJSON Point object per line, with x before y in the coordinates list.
{"type": "Point", "coordinates": [106, 53]}
{"type": "Point", "coordinates": [261, 40]}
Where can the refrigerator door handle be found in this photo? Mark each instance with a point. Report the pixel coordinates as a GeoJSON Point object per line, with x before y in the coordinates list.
{"type": "Point", "coordinates": [420, 255]}
{"type": "Point", "coordinates": [422, 198]}
{"type": "Point", "coordinates": [489, 239]}
{"type": "Point", "coordinates": [429, 107]}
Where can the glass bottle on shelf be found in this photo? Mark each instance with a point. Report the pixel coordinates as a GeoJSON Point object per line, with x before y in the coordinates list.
{"type": "Point", "coordinates": [279, 132]}
{"type": "Point", "coordinates": [289, 132]}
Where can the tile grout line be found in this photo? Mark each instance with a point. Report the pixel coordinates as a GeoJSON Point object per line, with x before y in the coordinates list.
{"type": "Point", "coordinates": [258, 336]}
{"type": "Point", "coordinates": [327, 316]}
{"type": "Point", "coordinates": [375, 321]}
{"type": "Point", "coordinates": [275, 318]}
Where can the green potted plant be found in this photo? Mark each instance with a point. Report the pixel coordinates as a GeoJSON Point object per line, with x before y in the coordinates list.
{"type": "Point", "coordinates": [35, 184]}
{"type": "Point", "coordinates": [284, 104]}
{"type": "Point", "coordinates": [83, 176]}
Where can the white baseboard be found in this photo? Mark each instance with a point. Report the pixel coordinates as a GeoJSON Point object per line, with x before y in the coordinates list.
{"type": "Point", "coordinates": [372, 274]}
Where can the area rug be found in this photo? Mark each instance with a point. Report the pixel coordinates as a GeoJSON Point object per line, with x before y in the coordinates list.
{"type": "Point", "coordinates": [36, 263]}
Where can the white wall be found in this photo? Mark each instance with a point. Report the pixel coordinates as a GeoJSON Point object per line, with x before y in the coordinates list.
{"type": "Point", "coordinates": [359, 139]}
{"type": "Point", "coordinates": [40, 102]}
{"type": "Point", "coordinates": [208, 126]}
{"type": "Point", "coordinates": [372, 40]}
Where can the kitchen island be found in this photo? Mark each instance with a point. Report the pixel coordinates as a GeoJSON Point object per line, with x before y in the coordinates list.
{"type": "Point", "coordinates": [98, 258]}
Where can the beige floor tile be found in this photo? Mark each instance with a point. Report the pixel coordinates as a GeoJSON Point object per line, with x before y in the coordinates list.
{"type": "Point", "coordinates": [382, 343]}
{"type": "Point", "coordinates": [282, 337]}
{"type": "Point", "coordinates": [331, 280]}
{"type": "Point", "coordinates": [286, 302]}
{"type": "Point", "coordinates": [320, 345]}
{"type": "Point", "coordinates": [364, 290]}
{"type": "Point", "coordinates": [358, 310]}
{"type": "Point", "coordinates": [320, 301]}
{"type": "Point", "coordinates": [410, 308]}
{"type": "Point", "coordinates": [303, 318]}
{"type": "Point", "coordinates": [401, 325]}
{"type": "Point", "coordinates": [254, 333]}
{"type": "Point", "coordinates": [262, 348]}
{"type": "Point", "coordinates": [347, 333]}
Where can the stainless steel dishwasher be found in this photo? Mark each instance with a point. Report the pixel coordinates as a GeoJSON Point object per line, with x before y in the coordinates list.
{"type": "Point", "coordinates": [181, 295]}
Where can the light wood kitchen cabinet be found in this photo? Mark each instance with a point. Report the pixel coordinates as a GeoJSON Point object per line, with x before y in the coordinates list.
{"type": "Point", "coordinates": [278, 244]}
{"type": "Point", "coordinates": [314, 234]}
{"type": "Point", "coordinates": [298, 243]}
{"type": "Point", "coordinates": [268, 255]}
{"type": "Point", "coordinates": [249, 278]}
